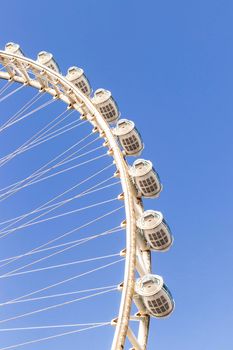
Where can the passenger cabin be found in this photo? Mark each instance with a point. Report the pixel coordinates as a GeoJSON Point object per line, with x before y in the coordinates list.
{"type": "Point", "coordinates": [47, 60]}
{"type": "Point", "coordinates": [128, 137]}
{"type": "Point", "coordinates": [106, 105]}
{"type": "Point", "coordinates": [155, 295]}
{"type": "Point", "coordinates": [76, 76]}
{"type": "Point", "coordinates": [155, 230]}
{"type": "Point", "coordinates": [145, 178]}
{"type": "Point", "coordinates": [14, 48]}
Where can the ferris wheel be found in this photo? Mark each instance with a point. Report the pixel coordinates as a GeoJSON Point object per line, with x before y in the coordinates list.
{"type": "Point", "coordinates": [111, 143]}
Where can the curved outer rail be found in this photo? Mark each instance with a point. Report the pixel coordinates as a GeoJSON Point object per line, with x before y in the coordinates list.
{"type": "Point", "coordinates": [59, 87]}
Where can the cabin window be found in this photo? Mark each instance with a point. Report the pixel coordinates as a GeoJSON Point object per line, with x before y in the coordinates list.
{"type": "Point", "coordinates": [163, 299]}
{"type": "Point", "coordinates": [108, 111]}
{"type": "Point", "coordinates": [82, 86]}
{"type": "Point", "coordinates": [130, 143]}
{"type": "Point", "coordinates": [159, 305]}
{"type": "Point", "coordinates": [149, 181]}
{"type": "Point", "coordinates": [158, 238]}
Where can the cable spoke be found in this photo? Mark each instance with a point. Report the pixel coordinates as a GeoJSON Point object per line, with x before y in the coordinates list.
{"type": "Point", "coordinates": [5, 233]}
{"type": "Point", "coordinates": [24, 108]}
{"type": "Point", "coordinates": [26, 145]}
{"type": "Point", "coordinates": [42, 207]}
{"type": "Point", "coordinates": [51, 296]}
{"type": "Point", "coordinates": [62, 282]}
{"type": "Point", "coordinates": [53, 326]}
{"type": "Point", "coordinates": [58, 204]}
{"type": "Point", "coordinates": [28, 114]}
{"type": "Point", "coordinates": [57, 173]}
{"type": "Point", "coordinates": [52, 337]}
{"type": "Point", "coordinates": [5, 87]}
{"type": "Point", "coordinates": [11, 93]}
{"type": "Point", "coordinates": [67, 234]}
{"type": "Point", "coordinates": [60, 304]}
{"type": "Point", "coordinates": [39, 172]}
{"type": "Point", "coordinates": [71, 244]}
{"type": "Point", "coordinates": [58, 266]}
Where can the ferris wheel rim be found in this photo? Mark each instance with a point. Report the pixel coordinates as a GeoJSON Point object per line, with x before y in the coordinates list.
{"type": "Point", "coordinates": [131, 204]}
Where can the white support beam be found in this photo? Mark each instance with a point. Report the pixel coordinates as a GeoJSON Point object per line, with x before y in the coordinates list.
{"type": "Point", "coordinates": [133, 340]}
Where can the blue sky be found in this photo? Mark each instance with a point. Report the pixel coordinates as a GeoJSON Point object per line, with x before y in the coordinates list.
{"type": "Point", "coordinates": [169, 66]}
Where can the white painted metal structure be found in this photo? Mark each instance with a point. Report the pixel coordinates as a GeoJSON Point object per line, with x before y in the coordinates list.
{"type": "Point", "coordinates": [137, 256]}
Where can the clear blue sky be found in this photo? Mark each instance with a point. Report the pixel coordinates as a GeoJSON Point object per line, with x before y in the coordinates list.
{"type": "Point", "coordinates": [169, 66]}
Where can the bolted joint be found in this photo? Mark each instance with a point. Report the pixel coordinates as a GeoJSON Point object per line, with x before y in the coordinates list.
{"type": "Point", "coordinates": [123, 223]}
{"type": "Point", "coordinates": [106, 143]}
{"type": "Point", "coordinates": [120, 286]}
{"type": "Point", "coordinates": [114, 322]}
{"type": "Point", "coordinates": [121, 196]}
{"type": "Point", "coordinates": [117, 173]}
{"type": "Point", "coordinates": [110, 152]}
{"type": "Point", "coordinates": [102, 133]}
{"type": "Point", "coordinates": [92, 117]}
{"type": "Point", "coordinates": [83, 117]}
{"type": "Point", "coordinates": [141, 314]}
{"type": "Point", "coordinates": [69, 92]}
{"type": "Point", "coordinates": [95, 130]}
{"type": "Point", "coordinates": [70, 106]}
{"type": "Point", "coordinates": [123, 252]}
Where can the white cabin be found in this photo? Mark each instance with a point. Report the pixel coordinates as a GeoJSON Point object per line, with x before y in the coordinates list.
{"type": "Point", "coordinates": [155, 230]}
{"type": "Point", "coordinates": [46, 59]}
{"type": "Point", "coordinates": [128, 137]}
{"type": "Point", "coordinates": [145, 178]}
{"type": "Point", "coordinates": [155, 295]}
{"type": "Point", "coordinates": [14, 48]}
{"type": "Point", "coordinates": [76, 76]}
{"type": "Point", "coordinates": [106, 105]}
